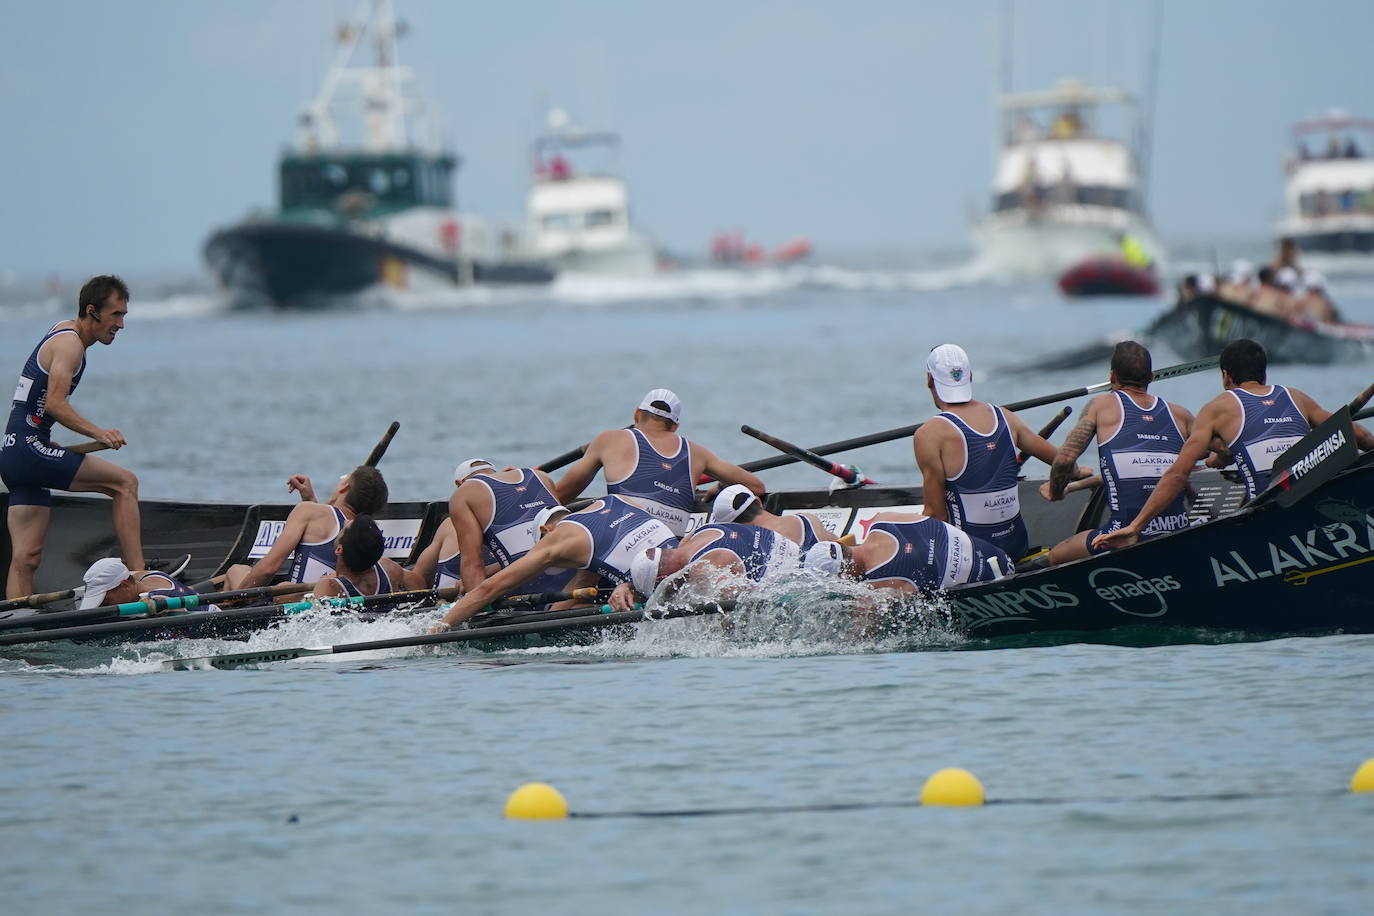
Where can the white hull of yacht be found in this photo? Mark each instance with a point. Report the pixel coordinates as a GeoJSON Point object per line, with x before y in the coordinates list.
{"type": "Point", "coordinates": [631, 257]}
{"type": "Point", "coordinates": [1015, 244]}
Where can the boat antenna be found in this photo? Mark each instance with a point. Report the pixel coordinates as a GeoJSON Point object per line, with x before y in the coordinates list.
{"type": "Point", "coordinates": [1145, 139]}
{"type": "Point", "coordinates": [1008, 30]}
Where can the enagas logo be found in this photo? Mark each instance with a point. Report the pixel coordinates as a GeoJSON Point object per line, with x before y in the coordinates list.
{"type": "Point", "coordinates": [1131, 593]}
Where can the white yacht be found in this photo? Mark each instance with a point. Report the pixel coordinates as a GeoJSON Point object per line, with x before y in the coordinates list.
{"type": "Point", "coordinates": [1329, 194]}
{"type": "Point", "coordinates": [580, 220]}
{"type": "Point", "coordinates": [1063, 190]}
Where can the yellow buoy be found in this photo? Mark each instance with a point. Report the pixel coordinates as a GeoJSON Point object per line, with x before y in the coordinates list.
{"type": "Point", "coordinates": [952, 788]}
{"type": "Point", "coordinates": [1363, 780]}
{"type": "Point", "coordinates": [536, 801]}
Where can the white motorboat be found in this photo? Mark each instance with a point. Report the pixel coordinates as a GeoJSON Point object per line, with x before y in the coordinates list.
{"type": "Point", "coordinates": [1063, 191]}
{"type": "Point", "coordinates": [1329, 194]}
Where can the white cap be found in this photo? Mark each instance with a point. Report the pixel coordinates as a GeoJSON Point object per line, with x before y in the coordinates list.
{"type": "Point", "coordinates": [466, 468]}
{"type": "Point", "coordinates": [544, 515]}
{"type": "Point", "coordinates": [825, 557]}
{"type": "Point", "coordinates": [1241, 271]}
{"type": "Point", "coordinates": [644, 571]}
{"type": "Point", "coordinates": [731, 502]}
{"type": "Point", "coordinates": [1206, 283]}
{"type": "Point", "coordinates": [1286, 277]}
{"type": "Point", "coordinates": [674, 411]}
{"type": "Point", "coordinates": [1313, 280]}
{"type": "Point", "coordinates": [948, 366]}
{"type": "Point", "coordinates": [100, 578]}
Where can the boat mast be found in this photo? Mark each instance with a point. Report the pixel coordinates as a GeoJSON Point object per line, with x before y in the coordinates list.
{"type": "Point", "coordinates": [1145, 138]}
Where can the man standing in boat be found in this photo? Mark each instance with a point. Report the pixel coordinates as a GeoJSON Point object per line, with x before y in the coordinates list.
{"type": "Point", "coordinates": [652, 466]}
{"type": "Point", "coordinates": [31, 465]}
{"type": "Point", "coordinates": [312, 532]}
{"type": "Point", "coordinates": [1139, 436]}
{"type": "Point", "coordinates": [494, 511]}
{"type": "Point", "coordinates": [1257, 421]}
{"type": "Point", "coordinates": [975, 471]}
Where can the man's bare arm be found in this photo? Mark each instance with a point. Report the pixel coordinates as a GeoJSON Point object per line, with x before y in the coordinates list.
{"type": "Point", "coordinates": [1065, 463]}
{"type": "Point", "coordinates": [582, 471]}
{"type": "Point", "coordinates": [469, 534]}
{"type": "Point", "coordinates": [926, 446]}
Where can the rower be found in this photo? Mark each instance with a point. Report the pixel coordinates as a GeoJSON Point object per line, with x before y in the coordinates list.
{"type": "Point", "coordinates": [440, 563]}
{"type": "Point", "coordinates": [1257, 421]}
{"type": "Point", "coordinates": [312, 531]}
{"type": "Point", "coordinates": [710, 553]}
{"type": "Point", "coordinates": [976, 471]}
{"type": "Point", "coordinates": [911, 553]}
{"type": "Point", "coordinates": [108, 581]}
{"type": "Point", "coordinates": [1139, 436]}
{"type": "Point", "coordinates": [495, 510]}
{"type": "Point", "coordinates": [31, 465]}
{"type": "Point", "coordinates": [737, 503]}
{"type": "Point", "coordinates": [652, 466]}
{"type": "Point", "coordinates": [600, 541]}
{"type": "Point", "coordinates": [360, 570]}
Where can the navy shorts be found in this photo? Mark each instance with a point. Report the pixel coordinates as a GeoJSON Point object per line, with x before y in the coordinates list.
{"type": "Point", "coordinates": [31, 467]}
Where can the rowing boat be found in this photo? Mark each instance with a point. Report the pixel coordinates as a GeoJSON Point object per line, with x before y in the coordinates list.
{"type": "Point", "coordinates": [1206, 324]}
{"type": "Point", "coordinates": [1263, 570]}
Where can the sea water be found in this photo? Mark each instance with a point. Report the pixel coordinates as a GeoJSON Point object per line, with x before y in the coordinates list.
{"type": "Point", "coordinates": [1202, 777]}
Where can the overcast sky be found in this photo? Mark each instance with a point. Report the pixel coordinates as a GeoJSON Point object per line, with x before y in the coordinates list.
{"type": "Point", "coordinates": [133, 128]}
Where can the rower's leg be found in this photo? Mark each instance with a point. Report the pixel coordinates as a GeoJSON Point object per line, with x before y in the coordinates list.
{"type": "Point", "coordinates": [1074, 547]}
{"type": "Point", "coordinates": [100, 476]}
{"type": "Point", "coordinates": [28, 526]}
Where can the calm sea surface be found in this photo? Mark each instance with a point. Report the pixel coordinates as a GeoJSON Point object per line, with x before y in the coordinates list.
{"type": "Point", "coordinates": [1202, 778]}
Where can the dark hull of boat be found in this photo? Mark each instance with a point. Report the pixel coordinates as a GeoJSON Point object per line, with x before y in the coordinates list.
{"type": "Point", "coordinates": [1205, 325]}
{"type": "Point", "coordinates": [1308, 568]}
{"type": "Point", "coordinates": [299, 264]}
{"type": "Point", "coordinates": [1108, 276]}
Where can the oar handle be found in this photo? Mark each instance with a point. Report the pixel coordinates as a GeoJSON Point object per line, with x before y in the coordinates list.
{"type": "Point", "coordinates": [1360, 400]}
{"type": "Point", "coordinates": [1047, 430]}
{"type": "Point", "coordinates": [36, 600]}
{"type": "Point", "coordinates": [839, 470]}
{"type": "Point", "coordinates": [380, 449]}
{"type": "Point", "coordinates": [563, 460]}
{"type": "Point", "coordinates": [85, 448]}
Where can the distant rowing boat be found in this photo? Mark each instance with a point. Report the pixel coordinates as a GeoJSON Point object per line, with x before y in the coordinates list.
{"type": "Point", "coordinates": [1205, 325]}
{"type": "Point", "coordinates": [1302, 569]}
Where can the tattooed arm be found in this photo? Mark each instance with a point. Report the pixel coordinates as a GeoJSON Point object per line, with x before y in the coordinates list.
{"type": "Point", "coordinates": [1065, 464]}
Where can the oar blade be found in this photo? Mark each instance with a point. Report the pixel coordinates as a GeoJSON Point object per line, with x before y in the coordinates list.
{"type": "Point", "coordinates": [243, 659]}
{"type": "Point", "coordinates": [1312, 460]}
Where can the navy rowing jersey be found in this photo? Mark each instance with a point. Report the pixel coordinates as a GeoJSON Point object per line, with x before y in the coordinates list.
{"type": "Point", "coordinates": [383, 584]}
{"type": "Point", "coordinates": [28, 413]}
{"type": "Point", "coordinates": [982, 499]}
{"type": "Point", "coordinates": [660, 484]}
{"type": "Point", "coordinates": [1134, 459]}
{"type": "Point", "coordinates": [1270, 424]}
{"type": "Point", "coordinates": [931, 554]}
{"type": "Point", "coordinates": [511, 532]}
{"type": "Point", "coordinates": [809, 536]}
{"type": "Point", "coordinates": [619, 531]}
{"type": "Point", "coordinates": [760, 550]}
{"type": "Point", "coordinates": [315, 558]}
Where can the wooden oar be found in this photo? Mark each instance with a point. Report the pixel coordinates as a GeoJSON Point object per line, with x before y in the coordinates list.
{"type": "Point", "coordinates": [1360, 400]}
{"type": "Point", "coordinates": [902, 432]}
{"type": "Point", "coordinates": [240, 615]}
{"type": "Point", "coordinates": [585, 622]}
{"type": "Point", "coordinates": [151, 606]}
{"type": "Point", "coordinates": [1047, 430]}
{"type": "Point", "coordinates": [41, 598]}
{"type": "Point", "coordinates": [802, 454]}
{"type": "Point", "coordinates": [565, 459]}
{"type": "Point", "coordinates": [380, 449]}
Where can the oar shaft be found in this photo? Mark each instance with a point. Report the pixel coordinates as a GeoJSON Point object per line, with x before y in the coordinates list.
{"type": "Point", "coordinates": [150, 606]}
{"type": "Point", "coordinates": [902, 432]}
{"type": "Point", "coordinates": [380, 449]}
{"type": "Point", "coordinates": [830, 467]}
{"type": "Point", "coordinates": [1047, 430]}
{"type": "Point", "coordinates": [85, 448]}
{"type": "Point", "coordinates": [1361, 399]}
{"type": "Point", "coordinates": [36, 600]}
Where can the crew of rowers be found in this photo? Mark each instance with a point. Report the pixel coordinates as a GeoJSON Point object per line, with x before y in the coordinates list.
{"type": "Point", "coordinates": [1281, 288]}
{"type": "Point", "coordinates": [509, 528]}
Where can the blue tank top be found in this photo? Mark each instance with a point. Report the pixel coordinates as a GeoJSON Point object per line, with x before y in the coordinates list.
{"type": "Point", "coordinates": [1270, 424]}
{"type": "Point", "coordinates": [983, 499]}
{"type": "Point", "coordinates": [619, 532]}
{"type": "Point", "coordinates": [29, 412]}
{"type": "Point", "coordinates": [511, 532]}
{"type": "Point", "coordinates": [1135, 458]}
{"type": "Point", "coordinates": [809, 538]}
{"type": "Point", "coordinates": [932, 554]}
{"type": "Point", "coordinates": [176, 590]}
{"type": "Point", "coordinates": [383, 584]}
{"type": "Point", "coordinates": [759, 549]}
{"type": "Point", "coordinates": [313, 560]}
{"type": "Point", "coordinates": [660, 485]}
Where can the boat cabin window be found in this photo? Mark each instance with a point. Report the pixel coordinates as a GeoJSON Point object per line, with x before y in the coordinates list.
{"type": "Point", "coordinates": [600, 218]}
{"type": "Point", "coordinates": [1030, 197]}
{"type": "Point", "coordinates": [561, 221]}
{"type": "Point", "coordinates": [320, 185]}
{"type": "Point", "coordinates": [1328, 203]}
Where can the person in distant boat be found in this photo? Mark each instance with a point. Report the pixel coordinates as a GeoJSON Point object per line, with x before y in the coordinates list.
{"type": "Point", "coordinates": [651, 465]}
{"type": "Point", "coordinates": [109, 581]}
{"type": "Point", "coordinates": [1269, 297]}
{"type": "Point", "coordinates": [599, 542]}
{"type": "Point", "coordinates": [312, 530]}
{"type": "Point", "coordinates": [32, 465]}
{"type": "Point", "coordinates": [911, 553]}
{"type": "Point", "coordinates": [722, 553]}
{"type": "Point", "coordinates": [1288, 255]}
{"type": "Point", "coordinates": [737, 503]}
{"type": "Point", "coordinates": [1315, 304]}
{"type": "Point", "coordinates": [1139, 437]}
{"type": "Point", "coordinates": [360, 570]}
{"type": "Point", "coordinates": [494, 511]}
{"type": "Point", "coordinates": [1256, 421]}
{"type": "Point", "coordinates": [1132, 251]}
{"type": "Point", "coordinates": [967, 454]}
{"type": "Point", "coordinates": [1237, 285]}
